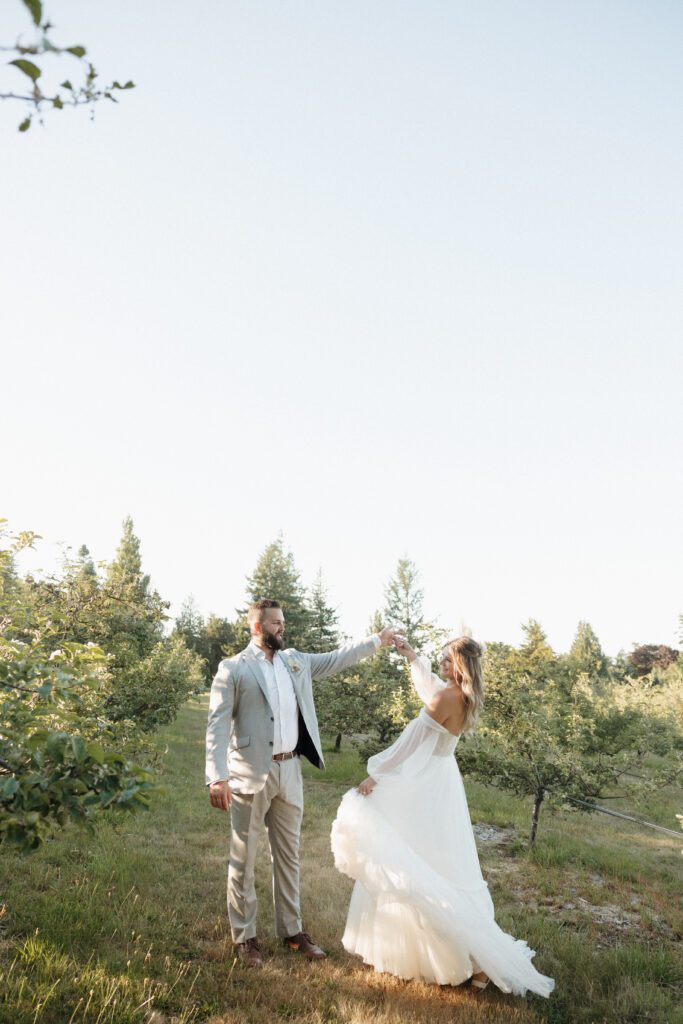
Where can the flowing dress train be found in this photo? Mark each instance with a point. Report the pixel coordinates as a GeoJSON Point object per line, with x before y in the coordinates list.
{"type": "Point", "coordinates": [420, 907]}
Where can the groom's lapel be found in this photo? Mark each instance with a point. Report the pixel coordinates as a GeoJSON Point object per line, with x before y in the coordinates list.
{"type": "Point", "coordinates": [257, 672]}
{"type": "Point", "coordinates": [294, 676]}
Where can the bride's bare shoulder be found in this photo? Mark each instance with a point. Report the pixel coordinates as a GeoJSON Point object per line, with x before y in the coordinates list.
{"type": "Point", "coordinates": [445, 703]}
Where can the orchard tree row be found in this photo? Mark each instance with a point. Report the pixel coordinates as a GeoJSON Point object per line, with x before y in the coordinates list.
{"type": "Point", "coordinates": [561, 728]}
{"type": "Point", "coordinates": [89, 667]}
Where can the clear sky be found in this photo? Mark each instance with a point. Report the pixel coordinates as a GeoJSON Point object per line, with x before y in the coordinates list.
{"type": "Point", "coordinates": [393, 278]}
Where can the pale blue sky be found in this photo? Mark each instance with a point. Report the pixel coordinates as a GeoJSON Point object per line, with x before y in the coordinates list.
{"type": "Point", "coordinates": [392, 278]}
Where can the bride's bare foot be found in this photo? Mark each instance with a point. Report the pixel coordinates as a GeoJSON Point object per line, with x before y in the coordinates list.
{"type": "Point", "coordinates": [479, 981]}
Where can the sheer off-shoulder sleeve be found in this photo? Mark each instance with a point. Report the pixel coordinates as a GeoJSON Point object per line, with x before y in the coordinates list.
{"type": "Point", "coordinates": [426, 683]}
{"type": "Point", "coordinates": [411, 751]}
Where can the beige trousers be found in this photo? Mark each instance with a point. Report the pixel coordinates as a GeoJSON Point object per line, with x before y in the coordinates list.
{"type": "Point", "coordinates": [279, 806]}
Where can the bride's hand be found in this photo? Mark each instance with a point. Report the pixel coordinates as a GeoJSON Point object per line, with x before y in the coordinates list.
{"type": "Point", "coordinates": [404, 648]}
{"type": "Point", "coordinates": [366, 787]}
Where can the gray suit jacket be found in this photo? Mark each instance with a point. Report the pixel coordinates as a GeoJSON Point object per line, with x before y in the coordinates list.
{"type": "Point", "coordinates": [240, 729]}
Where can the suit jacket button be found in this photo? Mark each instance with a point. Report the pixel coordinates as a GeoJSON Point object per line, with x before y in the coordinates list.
{"type": "Point", "coordinates": [270, 743]}
{"type": "Point", "coordinates": [272, 719]}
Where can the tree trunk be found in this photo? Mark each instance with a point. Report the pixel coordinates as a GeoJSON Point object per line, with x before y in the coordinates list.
{"type": "Point", "coordinates": [337, 742]}
{"type": "Point", "coordinates": [540, 793]}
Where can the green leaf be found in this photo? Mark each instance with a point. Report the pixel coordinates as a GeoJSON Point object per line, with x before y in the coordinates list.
{"type": "Point", "coordinates": [8, 787]}
{"type": "Point", "coordinates": [57, 103]}
{"type": "Point", "coordinates": [128, 85]}
{"type": "Point", "coordinates": [66, 84]}
{"type": "Point", "coordinates": [95, 751]}
{"type": "Point", "coordinates": [78, 51]}
{"type": "Point", "coordinates": [25, 124]}
{"type": "Point", "coordinates": [28, 67]}
{"type": "Point", "coordinates": [37, 739]}
{"type": "Point", "coordinates": [35, 8]}
{"type": "Point", "coordinates": [78, 747]}
{"type": "Point", "coordinates": [55, 745]}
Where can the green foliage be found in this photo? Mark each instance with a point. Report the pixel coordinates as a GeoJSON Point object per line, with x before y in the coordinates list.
{"type": "Point", "coordinates": [553, 733]}
{"type": "Point", "coordinates": [84, 673]}
{"type": "Point", "coordinates": [44, 49]}
{"type": "Point", "coordinates": [150, 692]}
{"type": "Point", "coordinates": [57, 756]}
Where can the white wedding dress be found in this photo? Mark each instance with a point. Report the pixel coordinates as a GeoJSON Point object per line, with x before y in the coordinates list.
{"type": "Point", "coordinates": [420, 907]}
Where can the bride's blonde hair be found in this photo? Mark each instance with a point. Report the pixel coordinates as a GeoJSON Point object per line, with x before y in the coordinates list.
{"type": "Point", "coordinates": [466, 656]}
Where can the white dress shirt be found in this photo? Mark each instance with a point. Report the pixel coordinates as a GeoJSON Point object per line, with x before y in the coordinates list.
{"type": "Point", "coordinates": [282, 700]}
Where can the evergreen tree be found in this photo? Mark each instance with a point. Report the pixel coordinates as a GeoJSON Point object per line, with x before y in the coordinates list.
{"type": "Point", "coordinates": [403, 603]}
{"type": "Point", "coordinates": [125, 570]}
{"type": "Point", "coordinates": [135, 614]}
{"type": "Point", "coordinates": [190, 626]}
{"type": "Point", "coordinates": [535, 654]}
{"type": "Point", "coordinates": [276, 577]}
{"type": "Point", "coordinates": [323, 628]}
{"type": "Point", "coordinates": [86, 567]}
{"type": "Point", "coordinates": [151, 675]}
{"type": "Point", "coordinates": [336, 698]}
{"type": "Point", "coordinates": [586, 655]}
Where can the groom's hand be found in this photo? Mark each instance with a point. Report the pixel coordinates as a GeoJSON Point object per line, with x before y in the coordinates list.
{"type": "Point", "coordinates": [387, 635]}
{"type": "Point", "coordinates": [219, 795]}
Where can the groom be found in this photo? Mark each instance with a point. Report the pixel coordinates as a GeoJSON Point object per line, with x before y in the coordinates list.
{"type": "Point", "coordinates": [261, 719]}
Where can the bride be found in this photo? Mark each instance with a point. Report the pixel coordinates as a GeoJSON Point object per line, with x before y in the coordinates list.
{"type": "Point", "coordinates": [420, 907]}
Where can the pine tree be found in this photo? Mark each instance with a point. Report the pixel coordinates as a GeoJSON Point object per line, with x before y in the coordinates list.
{"type": "Point", "coordinates": [586, 655]}
{"type": "Point", "coordinates": [535, 654]}
{"type": "Point", "coordinates": [134, 615]}
{"type": "Point", "coordinates": [86, 567]}
{"type": "Point", "coordinates": [125, 571]}
{"type": "Point", "coordinates": [403, 602]}
{"type": "Point", "coordinates": [190, 626]}
{"type": "Point", "coordinates": [323, 629]}
{"type": "Point", "coordinates": [276, 577]}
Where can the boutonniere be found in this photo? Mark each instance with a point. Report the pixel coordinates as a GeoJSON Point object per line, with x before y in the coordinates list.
{"type": "Point", "coordinates": [294, 665]}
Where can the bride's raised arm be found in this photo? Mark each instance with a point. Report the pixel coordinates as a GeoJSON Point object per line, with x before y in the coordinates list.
{"type": "Point", "coordinates": [427, 684]}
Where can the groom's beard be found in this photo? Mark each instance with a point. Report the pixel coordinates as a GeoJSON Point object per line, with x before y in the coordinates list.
{"type": "Point", "coordinates": [275, 643]}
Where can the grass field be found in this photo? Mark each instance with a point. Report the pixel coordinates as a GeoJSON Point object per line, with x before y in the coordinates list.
{"type": "Point", "coordinates": [130, 925]}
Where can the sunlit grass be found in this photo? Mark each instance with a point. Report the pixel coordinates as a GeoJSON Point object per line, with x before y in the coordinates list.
{"type": "Point", "coordinates": [130, 926]}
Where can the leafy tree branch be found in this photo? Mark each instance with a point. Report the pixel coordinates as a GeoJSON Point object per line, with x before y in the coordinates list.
{"type": "Point", "coordinates": [81, 89]}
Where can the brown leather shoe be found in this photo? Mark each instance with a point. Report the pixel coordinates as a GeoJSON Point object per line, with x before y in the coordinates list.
{"type": "Point", "coordinates": [249, 953]}
{"type": "Point", "coordinates": [303, 943]}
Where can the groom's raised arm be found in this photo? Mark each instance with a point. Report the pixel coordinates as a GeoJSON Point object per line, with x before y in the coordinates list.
{"type": "Point", "coordinates": [328, 664]}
